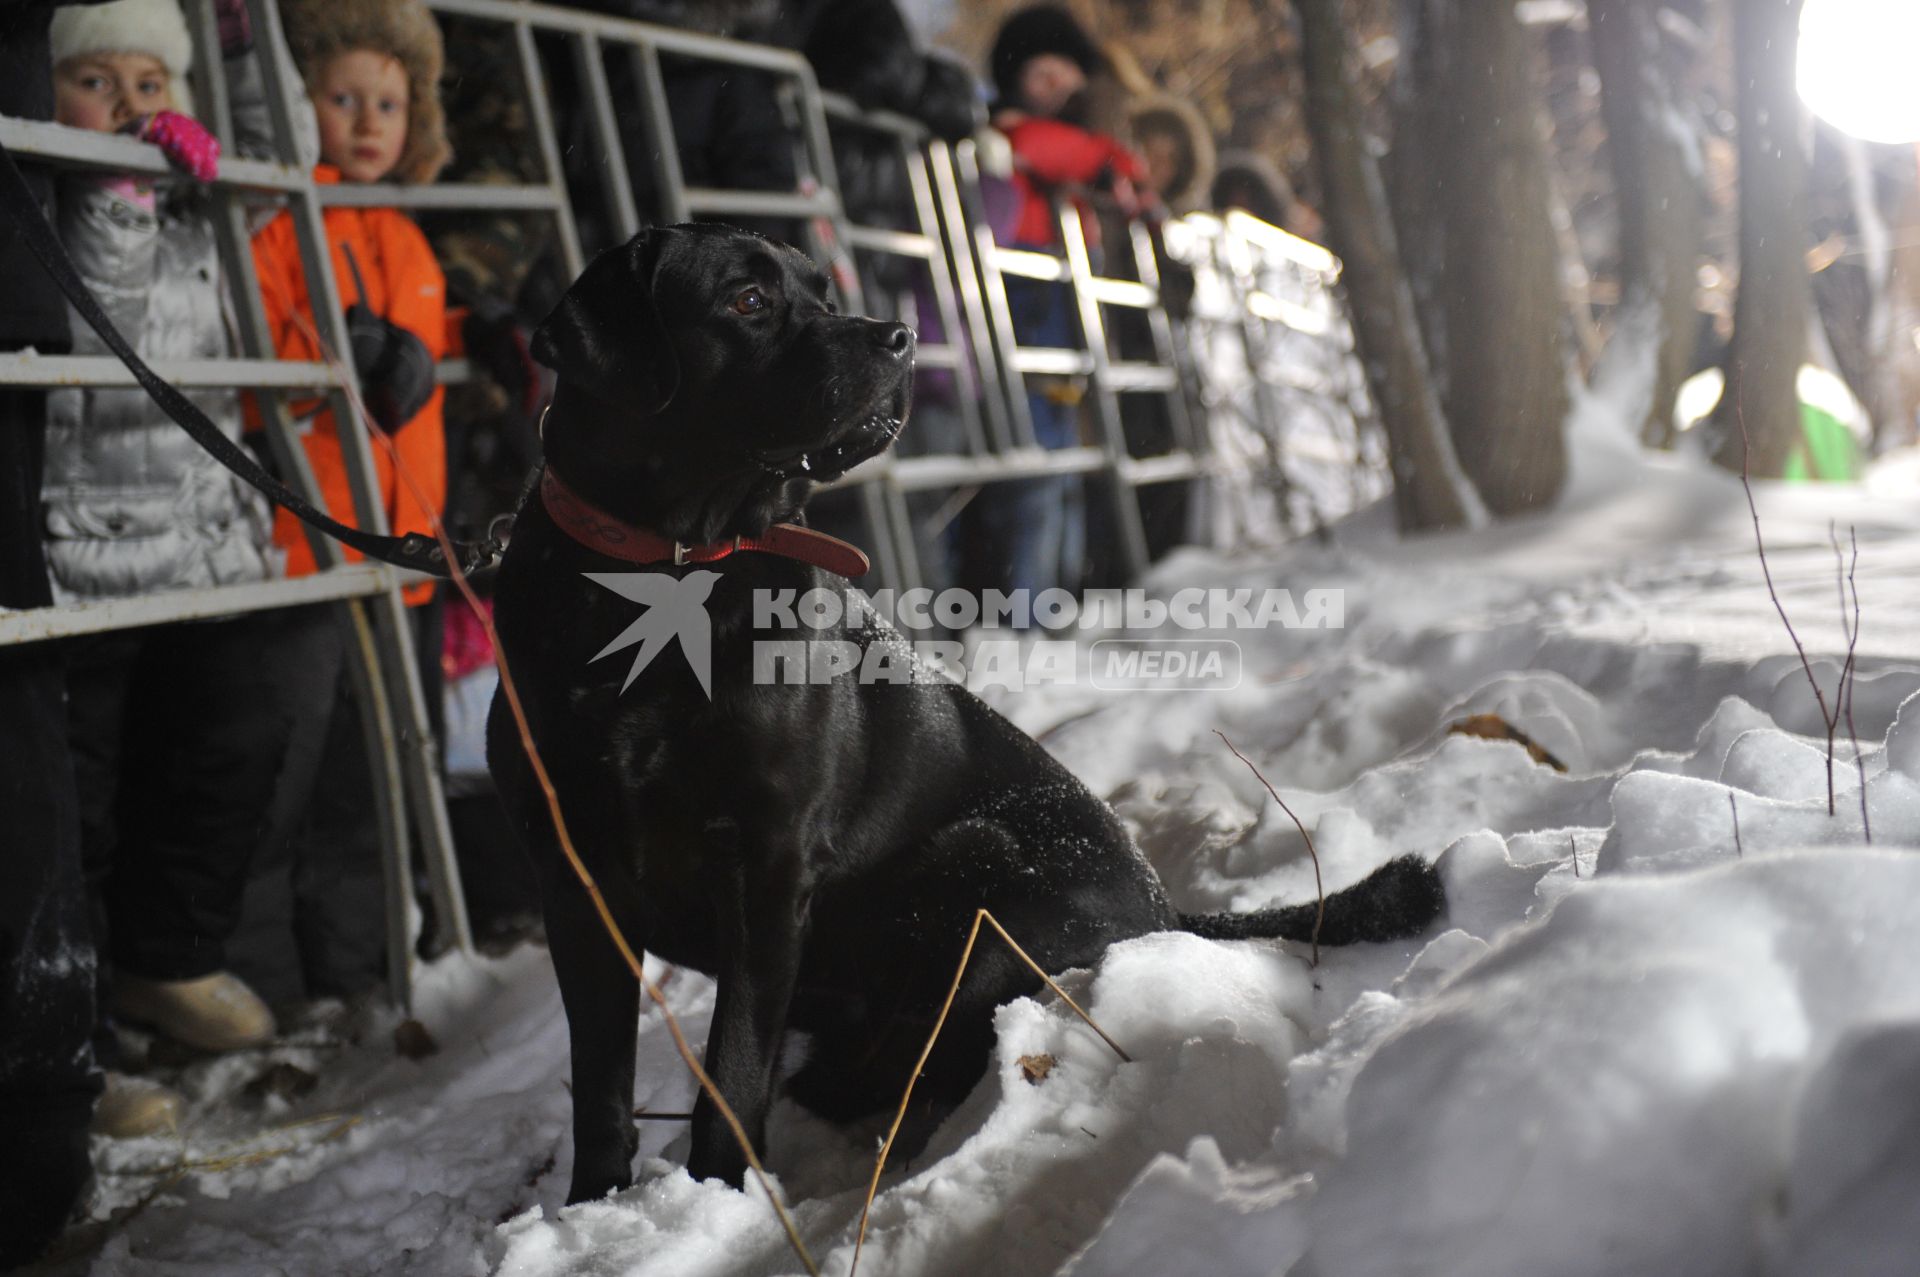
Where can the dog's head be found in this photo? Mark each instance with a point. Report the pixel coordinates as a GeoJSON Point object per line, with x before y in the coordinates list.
{"type": "Point", "coordinates": [706, 382]}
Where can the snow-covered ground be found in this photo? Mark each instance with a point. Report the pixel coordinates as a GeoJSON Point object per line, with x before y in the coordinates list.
{"type": "Point", "coordinates": [1631, 1046]}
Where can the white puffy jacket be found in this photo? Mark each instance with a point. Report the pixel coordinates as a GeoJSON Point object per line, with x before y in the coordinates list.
{"type": "Point", "coordinates": [132, 503]}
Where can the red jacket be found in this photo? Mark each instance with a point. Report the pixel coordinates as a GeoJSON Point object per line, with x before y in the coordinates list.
{"type": "Point", "coordinates": [405, 285]}
{"type": "Point", "coordinates": [1051, 153]}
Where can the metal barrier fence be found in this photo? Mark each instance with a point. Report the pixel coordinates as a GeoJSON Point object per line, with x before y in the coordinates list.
{"type": "Point", "coordinates": [1277, 377]}
{"type": "Point", "coordinates": [940, 228]}
{"type": "Point", "coordinates": [407, 788]}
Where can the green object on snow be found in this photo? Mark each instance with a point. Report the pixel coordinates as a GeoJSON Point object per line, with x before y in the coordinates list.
{"type": "Point", "coordinates": [1827, 450]}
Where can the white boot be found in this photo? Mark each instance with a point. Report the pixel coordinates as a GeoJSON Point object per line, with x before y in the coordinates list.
{"type": "Point", "coordinates": [215, 1012]}
{"type": "Point", "coordinates": [134, 1106]}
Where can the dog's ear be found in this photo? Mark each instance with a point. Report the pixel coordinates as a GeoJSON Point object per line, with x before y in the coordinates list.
{"type": "Point", "coordinates": [606, 336]}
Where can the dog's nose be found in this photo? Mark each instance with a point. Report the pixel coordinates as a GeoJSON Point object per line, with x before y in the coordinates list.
{"type": "Point", "coordinates": [895, 339]}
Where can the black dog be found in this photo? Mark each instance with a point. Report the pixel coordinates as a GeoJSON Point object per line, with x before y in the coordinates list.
{"type": "Point", "coordinates": [820, 849]}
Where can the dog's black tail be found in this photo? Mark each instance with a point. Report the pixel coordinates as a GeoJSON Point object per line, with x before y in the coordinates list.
{"type": "Point", "coordinates": [1395, 901]}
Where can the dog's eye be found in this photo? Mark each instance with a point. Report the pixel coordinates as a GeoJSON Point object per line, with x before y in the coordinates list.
{"type": "Point", "coordinates": [751, 302]}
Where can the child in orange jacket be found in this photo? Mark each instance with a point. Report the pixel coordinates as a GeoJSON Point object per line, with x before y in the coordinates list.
{"type": "Point", "coordinates": [372, 69]}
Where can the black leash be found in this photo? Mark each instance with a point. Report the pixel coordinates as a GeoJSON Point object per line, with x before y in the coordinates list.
{"type": "Point", "coordinates": [416, 550]}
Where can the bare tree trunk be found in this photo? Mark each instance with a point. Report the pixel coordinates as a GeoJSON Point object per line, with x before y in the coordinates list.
{"type": "Point", "coordinates": [1430, 490]}
{"type": "Point", "coordinates": [1770, 311]}
{"type": "Point", "coordinates": [1507, 395]}
{"type": "Point", "coordinates": [1656, 181]}
{"type": "Point", "coordinates": [1411, 173]}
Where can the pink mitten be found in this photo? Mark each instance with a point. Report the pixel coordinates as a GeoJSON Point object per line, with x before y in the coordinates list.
{"type": "Point", "coordinates": [192, 149]}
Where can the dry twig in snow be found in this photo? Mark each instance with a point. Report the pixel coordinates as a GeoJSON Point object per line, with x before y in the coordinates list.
{"type": "Point", "coordinates": [1850, 676]}
{"type": "Point", "coordinates": [1842, 694]}
{"type": "Point", "coordinates": [1319, 889]}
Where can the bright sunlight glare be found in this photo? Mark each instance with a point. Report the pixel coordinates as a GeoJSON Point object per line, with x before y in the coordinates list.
{"type": "Point", "coordinates": [1857, 70]}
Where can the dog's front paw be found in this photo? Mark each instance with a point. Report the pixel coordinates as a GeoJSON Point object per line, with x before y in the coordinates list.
{"type": "Point", "coordinates": [591, 1188]}
{"type": "Point", "coordinates": [730, 1168]}
{"type": "Point", "coordinates": [594, 1178]}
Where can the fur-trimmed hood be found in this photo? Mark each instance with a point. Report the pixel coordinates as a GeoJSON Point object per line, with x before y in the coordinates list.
{"type": "Point", "coordinates": [319, 30]}
{"type": "Point", "coordinates": [1175, 118]}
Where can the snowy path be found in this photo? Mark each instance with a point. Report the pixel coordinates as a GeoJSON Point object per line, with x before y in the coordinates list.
{"type": "Point", "coordinates": [1679, 1061]}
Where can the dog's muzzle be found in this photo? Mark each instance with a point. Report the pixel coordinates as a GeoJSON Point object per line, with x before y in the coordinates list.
{"type": "Point", "coordinates": [867, 440]}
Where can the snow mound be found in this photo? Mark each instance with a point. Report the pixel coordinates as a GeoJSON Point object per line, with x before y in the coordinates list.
{"type": "Point", "coordinates": [1604, 1092]}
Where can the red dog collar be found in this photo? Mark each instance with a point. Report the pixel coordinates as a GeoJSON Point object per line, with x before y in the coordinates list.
{"type": "Point", "coordinates": [607, 535]}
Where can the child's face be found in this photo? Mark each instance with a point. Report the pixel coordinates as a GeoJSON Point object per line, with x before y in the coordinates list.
{"type": "Point", "coordinates": [1048, 82]}
{"type": "Point", "coordinates": [1164, 154]}
{"type": "Point", "coordinates": [361, 100]}
{"type": "Point", "coordinates": [103, 91]}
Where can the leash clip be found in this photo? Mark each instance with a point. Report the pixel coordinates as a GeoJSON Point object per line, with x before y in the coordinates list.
{"type": "Point", "coordinates": [499, 532]}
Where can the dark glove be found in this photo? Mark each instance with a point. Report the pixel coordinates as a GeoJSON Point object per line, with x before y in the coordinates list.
{"type": "Point", "coordinates": [395, 367]}
{"type": "Point", "coordinates": [236, 28]}
{"type": "Point", "coordinates": [498, 345]}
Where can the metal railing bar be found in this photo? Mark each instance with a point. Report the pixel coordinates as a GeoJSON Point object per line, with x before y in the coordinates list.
{"type": "Point", "coordinates": [1028, 264]}
{"type": "Point", "coordinates": [208, 76]}
{"type": "Point", "coordinates": [1163, 469]}
{"type": "Point", "coordinates": [1283, 244]}
{"type": "Point", "coordinates": [1291, 315]}
{"type": "Point", "coordinates": [657, 119]}
{"type": "Point", "coordinates": [941, 356]}
{"type": "Point", "coordinates": [1127, 523]}
{"type": "Point", "coordinates": [463, 196]}
{"type": "Point", "coordinates": [670, 40]}
{"type": "Point", "coordinates": [1124, 292]}
{"type": "Point", "coordinates": [62, 146]}
{"type": "Point", "coordinates": [941, 270]}
{"type": "Point", "coordinates": [1169, 340]}
{"type": "Point", "coordinates": [26, 368]}
{"type": "Point", "coordinates": [841, 109]}
{"type": "Point", "coordinates": [591, 61]}
{"type": "Point", "coordinates": [1142, 377]}
{"type": "Point", "coordinates": [1029, 463]}
{"type": "Point", "coordinates": [709, 200]}
{"type": "Point", "coordinates": [533, 81]}
{"type": "Point", "coordinates": [357, 580]}
{"type": "Point", "coordinates": [879, 239]}
{"type": "Point", "coordinates": [1049, 361]}
{"type": "Point", "coordinates": [916, 474]}
{"type": "Point", "coordinates": [985, 383]}
{"type": "Point", "coordinates": [993, 285]}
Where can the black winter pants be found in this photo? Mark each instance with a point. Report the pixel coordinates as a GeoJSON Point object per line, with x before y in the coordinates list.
{"type": "Point", "coordinates": [177, 738]}
{"type": "Point", "coordinates": [315, 915]}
